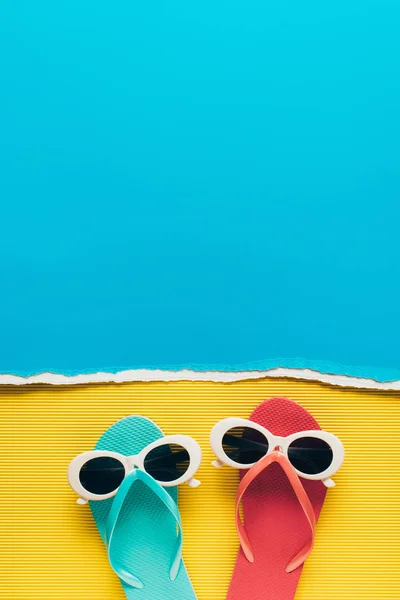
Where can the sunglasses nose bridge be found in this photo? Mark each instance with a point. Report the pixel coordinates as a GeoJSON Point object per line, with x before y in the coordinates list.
{"type": "Point", "coordinates": [278, 443]}
{"type": "Point", "coordinates": [133, 462]}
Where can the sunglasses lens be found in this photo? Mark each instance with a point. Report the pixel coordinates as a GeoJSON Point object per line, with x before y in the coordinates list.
{"type": "Point", "coordinates": [310, 455]}
{"type": "Point", "coordinates": [167, 462]}
{"type": "Point", "coordinates": [245, 445]}
{"type": "Point", "coordinates": [102, 475]}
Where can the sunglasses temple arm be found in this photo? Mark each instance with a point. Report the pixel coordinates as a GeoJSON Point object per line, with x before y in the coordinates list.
{"type": "Point", "coordinates": [194, 483]}
{"type": "Point", "coordinates": [329, 483]}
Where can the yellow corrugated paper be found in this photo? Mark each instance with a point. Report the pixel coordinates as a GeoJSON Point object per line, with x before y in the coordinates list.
{"type": "Point", "coordinates": [50, 547]}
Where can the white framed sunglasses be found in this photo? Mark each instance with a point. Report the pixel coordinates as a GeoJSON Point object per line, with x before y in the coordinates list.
{"type": "Point", "coordinates": [170, 460]}
{"type": "Point", "coordinates": [313, 454]}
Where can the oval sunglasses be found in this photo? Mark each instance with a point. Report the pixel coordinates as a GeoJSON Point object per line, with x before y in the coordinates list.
{"type": "Point", "coordinates": [171, 460]}
{"type": "Point", "coordinates": [240, 443]}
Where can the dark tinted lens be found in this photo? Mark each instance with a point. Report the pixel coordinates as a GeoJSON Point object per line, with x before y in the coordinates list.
{"type": "Point", "coordinates": [102, 475]}
{"type": "Point", "coordinates": [310, 455]}
{"type": "Point", "coordinates": [244, 445]}
{"type": "Point", "coordinates": [167, 462]}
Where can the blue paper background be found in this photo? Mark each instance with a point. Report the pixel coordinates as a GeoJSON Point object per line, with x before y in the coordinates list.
{"type": "Point", "coordinates": [209, 184]}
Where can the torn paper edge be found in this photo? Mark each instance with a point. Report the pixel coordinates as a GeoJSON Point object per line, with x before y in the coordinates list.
{"type": "Point", "coordinates": [189, 375]}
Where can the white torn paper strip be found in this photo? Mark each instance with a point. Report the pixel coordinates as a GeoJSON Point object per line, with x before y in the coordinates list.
{"type": "Point", "coordinates": [188, 375]}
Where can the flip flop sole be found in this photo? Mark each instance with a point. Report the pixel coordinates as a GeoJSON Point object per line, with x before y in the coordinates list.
{"type": "Point", "coordinates": [143, 532]}
{"type": "Point", "coordinates": [274, 520]}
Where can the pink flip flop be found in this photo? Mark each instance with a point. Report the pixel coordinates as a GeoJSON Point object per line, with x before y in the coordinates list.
{"type": "Point", "coordinates": [280, 510]}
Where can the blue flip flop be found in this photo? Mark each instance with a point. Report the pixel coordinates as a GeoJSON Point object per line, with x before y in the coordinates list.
{"type": "Point", "coordinates": [141, 525]}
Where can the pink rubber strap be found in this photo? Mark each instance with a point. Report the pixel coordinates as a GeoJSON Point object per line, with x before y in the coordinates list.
{"type": "Point", "coordinates": [302, 497]}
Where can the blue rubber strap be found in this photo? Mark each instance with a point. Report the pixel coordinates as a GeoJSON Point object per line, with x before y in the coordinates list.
{"type": "Point", "coordinates": [138, 475]}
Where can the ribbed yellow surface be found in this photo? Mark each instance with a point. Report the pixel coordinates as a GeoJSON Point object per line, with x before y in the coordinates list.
{"type": "Point", "coordinates": [50, 546]}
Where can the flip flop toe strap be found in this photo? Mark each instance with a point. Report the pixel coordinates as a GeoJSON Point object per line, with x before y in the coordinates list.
{"type": "Point", "coordinates": [301, 495]}
{"type": "Point", "coordinates": [134, 476]}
